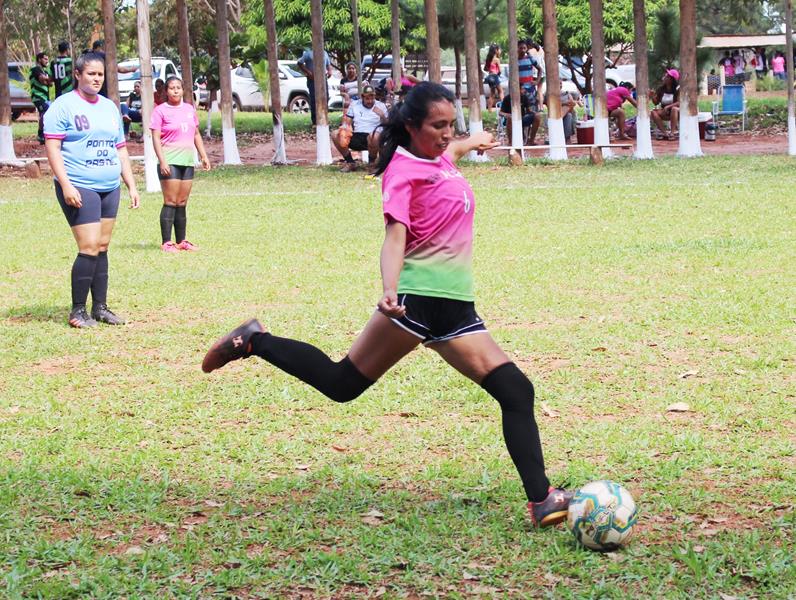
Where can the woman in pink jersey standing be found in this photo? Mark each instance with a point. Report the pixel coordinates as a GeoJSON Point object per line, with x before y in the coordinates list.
{"type": "Point", "coordinates": [426, 268]}
{"type": "Point", "coordinates": [175, 134]}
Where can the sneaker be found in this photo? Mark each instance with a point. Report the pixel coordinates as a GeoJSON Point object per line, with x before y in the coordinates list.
{"type": "Point", "coordinates": [169, 247]}
{"type": "Point", "coordinates": [236, 344]}
{"type": "Point", "coordinates": [552, 510]}
{"type": "Point", "coordinates": [102, 314]}
{"type": "Point", "coordinates": [349, 167]}
{"type": "Point", "coordinates": [186, 245]}
{"type": "Point", "coordinates": [79, 318]}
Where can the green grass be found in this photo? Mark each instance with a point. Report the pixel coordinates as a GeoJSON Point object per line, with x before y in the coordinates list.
{"type": "Point", "coordinates": [126, 472]}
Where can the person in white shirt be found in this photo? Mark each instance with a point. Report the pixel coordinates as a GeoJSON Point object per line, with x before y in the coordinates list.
{"type": "Point", "coordinates": [360, 128]}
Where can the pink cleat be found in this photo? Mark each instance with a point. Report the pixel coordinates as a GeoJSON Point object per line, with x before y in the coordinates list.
{"type": "Point", "coordinates": [169, 247]}
{"type": "Point", "coordinates": [186, 245]}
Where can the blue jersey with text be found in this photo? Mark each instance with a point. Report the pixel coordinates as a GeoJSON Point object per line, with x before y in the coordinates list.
{"type": "Point", "coordinates": [90, 134]}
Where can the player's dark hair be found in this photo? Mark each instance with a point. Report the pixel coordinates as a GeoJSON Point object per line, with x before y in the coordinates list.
{"type": "Point", "coordinates": [97, 44]}
{"type": "Point", "coordinates": [39, 56]}
{"type": "Point", "coordinates": [63, 46]}
{"type": "Point", "coordinates": [87, 57]}
{"type": "Point", "coordinates": [412, 109]}
{"type": "Point", "coordinates": [171, 78]}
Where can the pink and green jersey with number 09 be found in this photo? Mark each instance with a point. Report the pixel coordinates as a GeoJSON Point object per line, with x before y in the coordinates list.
{"type": "Point", "coordinates": [177, 124]}
{"type": "Point", "coordinates": [436, 204]}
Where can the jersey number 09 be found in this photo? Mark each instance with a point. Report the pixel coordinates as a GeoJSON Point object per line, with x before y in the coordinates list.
{"type": "Point", "coordinates": [81, 122]}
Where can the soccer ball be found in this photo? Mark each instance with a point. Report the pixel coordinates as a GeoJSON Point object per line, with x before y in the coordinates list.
{"type": "Point", "coordinates": [601, 515]}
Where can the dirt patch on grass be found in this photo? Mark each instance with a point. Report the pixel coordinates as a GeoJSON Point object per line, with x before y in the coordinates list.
{"type": "Point", "coordinates": [57, 366]}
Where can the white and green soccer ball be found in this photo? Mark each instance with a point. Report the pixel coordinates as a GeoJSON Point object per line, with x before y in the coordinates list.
{"type": "Point", "coordinates": [601, 515]}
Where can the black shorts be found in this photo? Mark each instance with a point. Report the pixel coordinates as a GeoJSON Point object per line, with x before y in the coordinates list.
{"type": "Point", "coordinates": [96, 205]}
{"type": "Point", "coordinates": [438, 319]}
{"type": "Point", "coordinates": [183, 172]}
{"type": "Point", "coordinates": [359, 141]}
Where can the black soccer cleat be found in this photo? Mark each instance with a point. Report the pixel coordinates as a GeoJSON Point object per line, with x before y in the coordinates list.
{"type": "Point", "coordinates": [79, 318]}
{"type": "Point", "coordinates": [233, 346]}
{"type": "Point", "coordinates": [552, 510]}
{"type": "Point", "coordinates": [102, 314]}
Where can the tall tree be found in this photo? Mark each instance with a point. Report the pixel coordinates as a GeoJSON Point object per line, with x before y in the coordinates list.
{"type": "Point", "coordinates": [689, 81]}
{"type": "Point", "coordinates": [395, 44]}
{"type": "Point", "coordinates": [643, 132]}
{"type": "Point", "coordinates": [474, 74]}
{"type": "Point", "coordinates": [601, 135]}
{"type": "Point", "coordinates": [111, 74]}
{"type": "Point", "coordinates": [432, 36]}
{"type": "Point", "coordinates": [280, 156]}
{"type": "Point", "coordinates": [231, 155]}
{"type": "Point", "coordinates": [516, 142]}
{"type": "Point", "coordinates": [147, 94]}
{"type": "Point", "coordinates": [357, 43]}
{"type": "Point", "coordinates": [789, 69]}
{"type": "Point", "coordinates": [184, 37]}
{"type": "Point", "coordinates": [6, 135]}
{"type": "Point", "coordinates": [322, 140]}
{"type": "Point", "coordinates": [555, 123]}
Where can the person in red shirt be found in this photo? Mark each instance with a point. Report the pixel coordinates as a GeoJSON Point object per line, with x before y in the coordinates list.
{"type": "Point", "coordinates": [614, 100]}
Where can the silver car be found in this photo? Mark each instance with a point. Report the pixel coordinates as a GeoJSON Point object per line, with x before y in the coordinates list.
{"type": "Point", "coordinates": [20, 98]}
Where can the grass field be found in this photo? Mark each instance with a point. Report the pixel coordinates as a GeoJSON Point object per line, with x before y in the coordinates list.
{"type": "Point", "coordinates": [620, 290]}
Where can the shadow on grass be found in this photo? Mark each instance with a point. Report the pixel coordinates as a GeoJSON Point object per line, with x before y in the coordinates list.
{"type": "Point", "coordinates": [42, 313]}
{"type": "Point", "coordinates": [150, 246]}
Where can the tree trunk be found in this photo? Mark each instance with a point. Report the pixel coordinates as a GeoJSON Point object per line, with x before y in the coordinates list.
{"type": "Point", "coordinates": [643, 132]}
{"type": "Point", "coordinates": [323, 144]}
{"type": "Point", "coordinates": [395, 40]}
{"type": "Point", "coordinates": [231, 155]}
{"type": "Point", "coordinates": [474, 75]}
{"type": "Point", "coordinates": [357, 44]}
{"type": "Point", "coordinates": [789, 68]}
{"type": "Point", "coordinates": [514, 85]}
{"type": "Point", "coordinates": [6, 135]}
{"type": "Point", "coordinates": [280, 155]}
{"type": "Point", "coordinates": [432, 41]}
{"type": "Point", "coordinates": [147, 91]}
{"type": "Point", "coordinates": [111, 72]}
{"type": "Point", "coordinates": [184, 40]}
{"type": "Point", "coordinates": [689, 78]}
{"type": "Point", "coordinates": [601, 128]}
{"type": "Point", "coordinates": [555, 124]}
{"type": "Point", "coordinates": [461, 126]}
{"type": "Point", "coordinates": [69, 30]}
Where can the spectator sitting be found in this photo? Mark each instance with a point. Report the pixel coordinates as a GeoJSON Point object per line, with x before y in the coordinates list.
{"type": "Point", "coordinates": [131, 110]}
{"type": "Point", "coordinates": [492, 67]}
{"type": "Point", "coordinates": [614, 99]}
{"type": "Point", "coordinates": [667, 99]}
{"type": "Point", "coordinates": [359, 130]}
{"type": "Point", "coordinates": [530, 119]}
{"type": "Point", "coordinates": [407, 83]}
{"type": "Point", "coordinates": [160, 92]}
{"type": "Point", "coordinates": [349, 85]}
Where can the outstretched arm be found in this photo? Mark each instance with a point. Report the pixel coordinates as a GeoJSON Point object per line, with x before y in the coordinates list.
{"type": "Point", "coordinates": [481, 142]}
{"type": "Point", "coordinates": [392, 261]}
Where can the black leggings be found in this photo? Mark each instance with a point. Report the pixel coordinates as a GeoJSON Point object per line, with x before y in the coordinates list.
{"type": "Point", "coordinates": [342, 382]}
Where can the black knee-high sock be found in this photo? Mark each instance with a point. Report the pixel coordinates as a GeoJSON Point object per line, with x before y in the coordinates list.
{"type": "Point", "coordinates": [99, 285]}
{"type": "Point", "coordinates": [82, 275]}
{"type": "Point", "coordinates": [514, 391]}
{"type": "Point", "coordinates": [180, 223]}
{"type": "Point", "coordinates": [340, 381]}
{"type": "Point", "coordinates": [166, 222]}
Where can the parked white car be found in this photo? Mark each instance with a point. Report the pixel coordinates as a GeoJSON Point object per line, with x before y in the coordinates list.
{"type": "Point", "coordinates": [293, 90]}
{"type": "Point", "coordinates": [162, 68]}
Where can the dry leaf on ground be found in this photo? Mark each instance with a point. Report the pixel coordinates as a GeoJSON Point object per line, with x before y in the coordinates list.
{"type": "Point", "coordinates": [678, 407]}
{"type": "Point", "coordinates": [549, 412]}
{"type": "Point", "coordinates": [691, 373]}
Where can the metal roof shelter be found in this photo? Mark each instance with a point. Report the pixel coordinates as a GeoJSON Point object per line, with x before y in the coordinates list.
{"type": "Point", "coordinates": [742, 40]}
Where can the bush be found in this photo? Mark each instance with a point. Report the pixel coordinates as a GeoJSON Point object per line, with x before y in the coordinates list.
{"type": "Point", "coordinates": [769, 84]}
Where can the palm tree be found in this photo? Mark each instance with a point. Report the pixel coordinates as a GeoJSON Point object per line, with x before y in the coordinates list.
{"type": "Point", "coordinates": [323, 143]}
{"type": "Point", "coordinates": [147, 100]}
{"type": "Point", "coordinates": [601, 135]}
{"type": "Point", "coordinates": [689, 77]}
{"type": "Point", "coordinates": [231, 155]}
{"type": "Point", "coordinates": [432, 40]}
{"type": "Point", "coordinates": [280, 156]}
{"type": "Point", "coordinates": [555, 124]}
{"type": "Point", "coordinates": [6, 135]}
{"type": "Point", "coordinates": [643, 133]}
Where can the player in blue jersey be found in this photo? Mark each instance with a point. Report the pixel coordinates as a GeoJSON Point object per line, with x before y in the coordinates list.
{"type": "Point", "coordinates": [87, 153]}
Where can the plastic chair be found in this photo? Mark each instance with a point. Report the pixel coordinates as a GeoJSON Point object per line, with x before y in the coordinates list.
{"type": "Point", "coordinates": [588, 106]}
{"type": "Point", "coordinates": [733, 104]}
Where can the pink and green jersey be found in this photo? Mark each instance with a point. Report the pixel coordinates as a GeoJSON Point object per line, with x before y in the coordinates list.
{"type": "Point", "coordinates": [436, 204]}
{"type": "Point", "coordinates": [177, 125]}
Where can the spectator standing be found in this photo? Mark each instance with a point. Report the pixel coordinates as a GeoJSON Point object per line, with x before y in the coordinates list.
{"type": "Point", "coordinates": [761, 63]}
{"type": "Point", "coordinates": [492, 67]}
{"type": "Point", "coordinates": [726, 63]}
{"type": "Point", "coordinates": [306, 66]}
{"type": "Point", "coordinates": [349, 85]}
{"type": "Point", "coordinates": [61, 71]}
{"type": "Point", "coordinates": [526, 65]}
{"type": "Point", "coordinates": [98, 48]}
{"type": "Point", "coordinates": [778, 65]}
{"type": "Point", "coordinates": [159, 95]}
{"type": "Point", "coordinates": [40, 89]}
{"type": "Point", "coordinates": [360, 128]}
